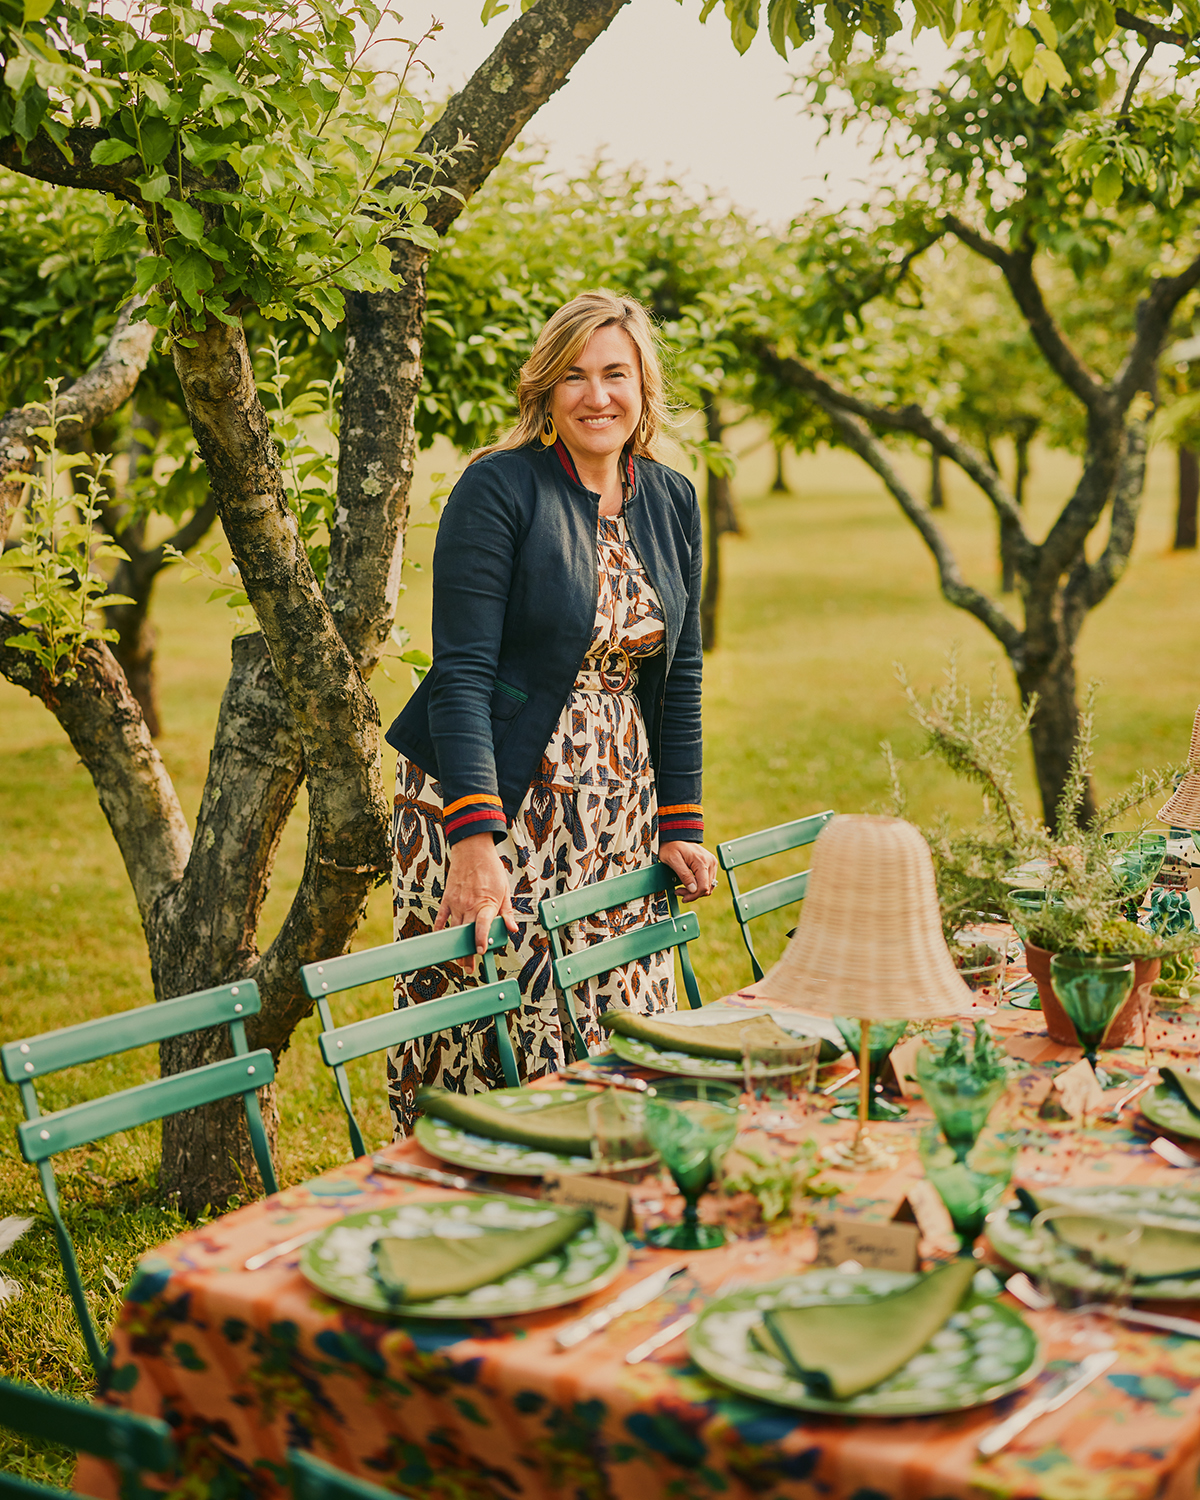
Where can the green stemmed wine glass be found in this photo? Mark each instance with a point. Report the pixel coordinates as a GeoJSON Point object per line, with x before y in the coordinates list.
{"type": "Point", "coordinates": [1092, 987]}
{"type": "Point", "coordinates": [961, 1091]}
{"type": "Point", "coordinates": [1135, 860]}
{"type": "Point", "coordinates": [881, 1038]}
{"type": "Point", "coordinates": [970, 1185]}
{"type": "Point", "coordinates": [691, 1122]}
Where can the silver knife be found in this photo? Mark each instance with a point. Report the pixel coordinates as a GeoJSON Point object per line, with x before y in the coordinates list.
{"type": "Point", "coordinates": [416, 1173]}
{"type": "Point", "coordinates": [1057, 1393]}
{"type": "Point", "coordinates": [656, 1341]}
{"type": "Point", "coordinates": [633, 1297]}
{"type": "Point", "coordinates": [265, 1257]}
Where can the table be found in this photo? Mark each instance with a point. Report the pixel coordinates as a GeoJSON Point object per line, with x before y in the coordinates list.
{"type": "Point", "coordinates": [244, 1364]}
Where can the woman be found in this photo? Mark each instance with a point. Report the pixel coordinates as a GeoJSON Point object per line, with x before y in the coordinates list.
{"type": "Point", "coordinates": [556, 738]}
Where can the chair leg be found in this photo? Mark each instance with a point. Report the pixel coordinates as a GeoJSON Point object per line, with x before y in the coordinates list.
{"type": "Point", "coordinates": [258, 1143]}
{"type": "Point", "coordinates": [66, 1253]}
{"type": "Point", "coordinates": [508, 1060]}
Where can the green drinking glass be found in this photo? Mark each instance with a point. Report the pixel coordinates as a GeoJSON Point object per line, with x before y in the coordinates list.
{"type": "Point", "coordinates": [882, 1037]}
{"type": "Point", "coordinates": [970, 1186]}
{"type": "Point", "coordinates": [691, 1122]}
{"type": "Point", "coordinates": [1135, 860]}
{"type": "Point", "coordinates": [1091, 988]}
{"type": "Point", "coordinates": [960, 1098]}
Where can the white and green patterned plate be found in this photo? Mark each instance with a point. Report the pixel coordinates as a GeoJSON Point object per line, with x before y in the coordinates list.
{"type": "Point", "coordinates": [463, 1148]}
{"type": "Point", "coordinates": [1011, 1236]}
{"type": "Point", "coordinates": [982, 1353]}
{"type": "Point", "coordinates": [631, 1050]}
{"type": "Point", "coordinates": [1163, 1107]}
{"type": "Point", "coordinates": [338, 1261]}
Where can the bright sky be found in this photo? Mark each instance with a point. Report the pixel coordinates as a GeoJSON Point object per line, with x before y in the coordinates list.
{"type": "Point", "coordinates": [662, 91]}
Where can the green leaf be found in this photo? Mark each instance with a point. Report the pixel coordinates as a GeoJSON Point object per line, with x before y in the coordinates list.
{"type": "Point", "coordinates": [1052, 66]}
{"type": "Point", "coordinates": [1107, 184]}
{"type": "Point", "coordinates": [154, 186]}
{"type": "Point", "coordinates": [108, 152]}
{"type": "Point", "coordinates": [1033, 83]}
{"type": "Point", "coordinates": [1021, 47]}
{"type": "Point", "coordinates": [37, 10]}
{"type": "Point", "coordinates": [491, 8]}
{"type": "Point", "coordinates": [151, 269]}
{"type": "Point", "coordinates": [118, 239]}
{"type": "Point", "coordinates": [193, 275]}
{"type": "Point", "coordinates": [188, 221]}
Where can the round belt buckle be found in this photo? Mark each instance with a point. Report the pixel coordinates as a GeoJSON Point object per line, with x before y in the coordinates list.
{"type": "Point", "coordinates": [624, 666]}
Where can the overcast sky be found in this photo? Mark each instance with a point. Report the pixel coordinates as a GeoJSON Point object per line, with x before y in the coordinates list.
{"type": "Point", "coordinates": [660, 90]}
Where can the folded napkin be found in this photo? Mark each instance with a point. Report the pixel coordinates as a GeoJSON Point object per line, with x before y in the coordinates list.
{"type": "Point", "coordinates": [1187, 1085]}
{"type": "Point", "coordinates": [1166, 1248]}
{"type": "Point", "coordinates": [724, 1040]}
{"type": "Point", "coordinates": [560, 1128]}
{"type": "Point", "coordinates": [433, 1265]}
{"type": "Point", "coordinates": [840, 1348]}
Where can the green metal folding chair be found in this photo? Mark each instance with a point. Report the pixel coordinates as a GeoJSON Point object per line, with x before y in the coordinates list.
{"type": "Point", "coordinates": [341, 1045]}
{"type": "Point", "coordinates": [571, 970]}
{"type": "Point", "coordinates": [312, 1479]}
{"type": "Point", "coordinates": [136, 1445]}
{"type": "Point", "coordinates": [42, 1137]}
{"type": "Point", "coordinates": [752, 847]}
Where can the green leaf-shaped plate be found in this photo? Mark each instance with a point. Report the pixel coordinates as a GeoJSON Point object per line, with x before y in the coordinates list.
{"type": "Point", "coordinates": [464, 1148]}
{"type": "Point", "coordinates": [1011, 1236]}
{"type": "Point", "coordinates": [338, 1261]}
{"type": "Point", "coordinates": [1163, 1107]}
{"type": "Point", "coordinates": [982, 1353]}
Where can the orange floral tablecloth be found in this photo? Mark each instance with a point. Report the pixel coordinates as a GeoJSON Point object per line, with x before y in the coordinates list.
{"type": "Point", "coordinates": [244, 1364]}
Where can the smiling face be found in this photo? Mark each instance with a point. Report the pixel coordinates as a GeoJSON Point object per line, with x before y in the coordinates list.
{"type": "Point", "coordinates": [597, 404]}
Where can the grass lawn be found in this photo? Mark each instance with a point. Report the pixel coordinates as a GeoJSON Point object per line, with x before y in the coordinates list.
{"type": "Point", "coordinates": [828, 587]}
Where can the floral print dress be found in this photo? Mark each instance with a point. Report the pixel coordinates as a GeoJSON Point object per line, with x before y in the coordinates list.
{"type": "Point", "coordinates": [590, 813]}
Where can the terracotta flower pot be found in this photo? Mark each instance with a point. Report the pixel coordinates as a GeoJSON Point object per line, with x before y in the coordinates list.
{"type": "Point", "coordinates": [1058, 1023]}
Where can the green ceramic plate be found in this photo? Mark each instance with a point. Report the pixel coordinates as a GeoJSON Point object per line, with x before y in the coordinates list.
{"type": "Point", "coordinates": [629, 1049]}
{"type": "Point", "coordinates": [338, 1261]}
{"type": "Point", "coordinates": [982, 1353]}
{"type": "Point", "coordinates": [1010, 1235]}
{"type": "Point", "coordinates": [463, 1148]}
{"type": "Point", "coordinates": [1163, 1107]}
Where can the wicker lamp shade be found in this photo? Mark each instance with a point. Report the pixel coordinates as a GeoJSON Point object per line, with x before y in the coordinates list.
{"type": "Point", "coordinates": [869, 944]}
{"type": "Point", "coordinates": [1183, 808]}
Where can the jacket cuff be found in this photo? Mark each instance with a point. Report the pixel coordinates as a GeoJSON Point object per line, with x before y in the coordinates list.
{"type": "Point", "coordinates": [480, 813]}
{"type": "Point", "coordinates": [683, 823]}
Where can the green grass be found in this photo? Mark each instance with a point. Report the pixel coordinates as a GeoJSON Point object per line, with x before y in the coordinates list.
{"type": "Point", "coordinates": [826, 590]}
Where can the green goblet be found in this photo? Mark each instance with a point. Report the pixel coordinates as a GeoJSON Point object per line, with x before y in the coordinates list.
{"type": "Point", "coordinates": [881, 1038]}
{"type": "Point", "coordinates": [971, 1185]}
{"type": "Point", "coordinates": [960, 1095]}
{"type": "Point", "coordinates": [691, 1121]}
{"type": "Point", "coordinates": [1092, 987]}
{"type": "Point", "coordinates": [1135, 860]}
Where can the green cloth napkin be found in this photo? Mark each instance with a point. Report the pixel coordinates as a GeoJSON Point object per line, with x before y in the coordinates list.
{"type": "Point", "coordinates": [723, 1040]}
{"type": "Point", "coordinates": [560, 1128]}
{"type": "Point", "coordinates": [1187, 1085]}
{"type": "Point", "coordinates": [1165, 1248]}
{"type": "Point", "coordinates": [840, 1348]}
{"type": "Point", "coordinates": [418, 1270]}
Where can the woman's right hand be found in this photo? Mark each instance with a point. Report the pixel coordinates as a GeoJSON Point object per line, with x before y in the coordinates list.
{"type": "Point", "coordinates": [476, 890]}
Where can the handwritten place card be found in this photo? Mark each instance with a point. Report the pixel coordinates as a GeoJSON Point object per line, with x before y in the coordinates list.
{"type": "Point", "coordinates": [904, 1064]}
{"type": "Point", "coordinates": [1078, 1089]}
{"type": "Point", "coordinates": [875, 1246]}
{"type": "Point", "coordinates": [608, 1200]}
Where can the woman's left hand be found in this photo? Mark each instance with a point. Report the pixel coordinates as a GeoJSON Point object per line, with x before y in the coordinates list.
{"type": "Point", "coordinates": [695, 866]}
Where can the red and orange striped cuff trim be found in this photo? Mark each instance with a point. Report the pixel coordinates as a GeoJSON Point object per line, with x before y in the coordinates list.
{"type": "Point", "coordinates": [470, 801]}
{"type": "Point", "coordinates": [680, 816]}
{"type": "Point", "coordinates": [681, 807]}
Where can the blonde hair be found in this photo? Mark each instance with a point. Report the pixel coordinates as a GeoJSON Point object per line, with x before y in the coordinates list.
{"type": "Point", "coordinates": [562, 340]}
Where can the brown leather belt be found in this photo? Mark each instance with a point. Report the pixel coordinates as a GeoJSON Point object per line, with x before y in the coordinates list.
{"type": "Point", "coordinates": [613, 666]}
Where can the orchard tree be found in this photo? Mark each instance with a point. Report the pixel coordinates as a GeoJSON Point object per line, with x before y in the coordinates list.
{"type": "Point", "coordinates": [1011, 180]}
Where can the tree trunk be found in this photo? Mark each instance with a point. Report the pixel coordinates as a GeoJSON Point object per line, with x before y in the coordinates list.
{"type": "Point", "coordinates": [1008, 567]}
{"type": "Point", "coordinates": [779, 485]}
{"type": "Point", "coordinates": [1054, 731]}
{"type": "Point", "coordinates": [717, 507]}
{"type": "Point", "coordinates": [1188, 496]}
{"type": "Point", "coordinates": [937, 494]}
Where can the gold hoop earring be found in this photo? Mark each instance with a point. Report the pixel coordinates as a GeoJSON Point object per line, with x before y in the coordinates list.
{"type": "Point", "coordinates": [549, 433]}
{"type": "Point", "coordinates": [643, 430]}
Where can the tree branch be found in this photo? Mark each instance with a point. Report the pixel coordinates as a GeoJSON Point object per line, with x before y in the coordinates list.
{"type": "Point", "coordinates": [1139, 370]}
{"type": "Point", "coordinates": [955, 589]}
{"type": "Point", "coordinates": [914, 419]}
{"type": "Point", "coordinates": [1152, 33]}
{"type": "Point", "coordinates": [106, 728]}
{"type": "Point", "coordinates": [1098, 578]}
{"type": "Point", "coordinates": [1017, 267]}
{"type": "Point", "coordinates": [385, 332]}
{"type": "Point", "coordinates": [98, 393]}
{"type": "Point", "coordinates": [42, 159]}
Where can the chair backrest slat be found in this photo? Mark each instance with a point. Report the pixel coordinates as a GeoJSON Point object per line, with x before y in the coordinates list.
{"type": "Point", "coordinates": [312, 1479]}
{"type": "Point", "coordinates": [640, 942]}
{"type": "Point", "coordinates": [104, 1431]}
{"type": "Point", "coordinates": [387, 961]}
{"type": "Point", "coordinates": [345, 1043]}
{"type": "Point", "coordinates": [767, 898]}
{"type": "Point", "coordinates": [604, 895]}
{"type": "Point", "coordinates": [96, 1118]}
{"type": "Point", "coordinates": [34, 1056]}
{"type": "Point", "coordinates": [768, 841]}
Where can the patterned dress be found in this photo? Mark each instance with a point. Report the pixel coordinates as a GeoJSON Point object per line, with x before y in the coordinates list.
{"type": "Point", "coordinates": [590, 813]}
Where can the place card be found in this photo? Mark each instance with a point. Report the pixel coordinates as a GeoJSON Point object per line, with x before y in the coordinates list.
{"type": "Point", "coordinates": [904, 1064]}
{"type": "Point", "coordinates": [1079, 1089]}
{"type": "Point", "coordinates": [608, 1200]}
{"type": "Point", "coordinates": [875, 1246]}
{"type": "Point", "coordinates": [922, 1206]}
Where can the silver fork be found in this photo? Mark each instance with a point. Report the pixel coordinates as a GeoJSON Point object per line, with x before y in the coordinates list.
{"type": "Point", "coordinates": [1024, 1291]}
{"type": "Point", "coordinates": [673, 1329]}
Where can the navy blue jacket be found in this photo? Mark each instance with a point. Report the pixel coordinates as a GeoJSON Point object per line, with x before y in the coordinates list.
{"type": "Point", "coordinates": [514, 603]}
